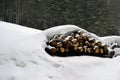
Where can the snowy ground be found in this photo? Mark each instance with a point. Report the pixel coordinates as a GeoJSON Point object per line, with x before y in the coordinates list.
{"type": "Point", "coordinates": [22, 57]}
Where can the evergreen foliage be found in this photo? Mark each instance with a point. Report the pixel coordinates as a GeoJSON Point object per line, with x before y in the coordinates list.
{"type": "Point", "coordinates": [93, 15]}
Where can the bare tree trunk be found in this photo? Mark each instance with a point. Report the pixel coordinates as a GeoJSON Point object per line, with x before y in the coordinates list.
{"type": "Point", "coordinates": [3, 9]}
{"type": "Point", "coordinates": [18, 5]}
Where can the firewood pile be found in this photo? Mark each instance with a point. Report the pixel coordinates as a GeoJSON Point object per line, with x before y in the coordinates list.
{"type": "Point", "coordinates": [76, 44]}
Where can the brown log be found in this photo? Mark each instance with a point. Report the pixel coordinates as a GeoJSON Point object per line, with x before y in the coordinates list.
{"type": "Point", "coordinates": [69, 44]}
{"type": "Point", "coordinates": [87, 43]}
{"type": "Point", "coordinates": [89, 50]}
{"type": "Point", "coordinates": [112, 53]}
{"type": "Point", "coordinates": [71, 38]}
{"type": "Point", "coordinates": [75, 48]}
{"type": "Point", "coordinates": [96, 50]}
{"type": "Point", "coordinates": [105, 48]}
{"type": "Point", "coordinates": [51, 49]}
{"type": "Point", "coordinates": [88, 36]}
{"type": "Point", "coordinates": [62, 50]}
{"type": "Point", "coordinates": [79, 37]}
{"type": "Point", "coordinates": [91, 40]}
{"type": "Point", "coordinates": [73, 35]}
{"type": "Point", "coordinates": [93, 44]}
{"type": "Point", "coordinates": [59, 44]}
{"type": "Point", "coordinates": [99, 43]}
{"type": "Point", "coordinates": [80, 44]}
{"type": "Point", "coordinates": [53, 42]}
{"type": "Point", "coordinates": [85, 49]}
{"type": "Point", "coordinates": [101, 51]}
{"type": "Point", "coordinates": [85, 38]}
{"type": "Point", "coordinates": [80, 32]}
{"type": "Point", "coordinates": [75, 42]}
{"type": "Point", "coordinates": [80, 49]}
{"type": "Point", "coordinates": [65, 42]}
{"type": "Point", "coordinates": [62, 37]}
{"type": "Point", "coordinates": [67, 50]}
{"type": "Point", "coordinates": [55, 37]}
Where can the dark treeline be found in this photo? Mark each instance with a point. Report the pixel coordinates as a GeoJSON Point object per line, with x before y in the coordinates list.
{"type": "Point", "coordinates": [93, 15]}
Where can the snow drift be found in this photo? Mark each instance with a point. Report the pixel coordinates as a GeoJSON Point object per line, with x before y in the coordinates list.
{"type": "Point", "coordinates": [22, 57]}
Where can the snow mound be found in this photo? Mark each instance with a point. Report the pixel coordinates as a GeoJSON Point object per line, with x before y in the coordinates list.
{"type": "Point", "coordinates": [109, 40]}
{"type": "Point", "coordinates": [66, 29]}
{"type": "Point", "coordinates": [112, 41]}
{"type": "Point", "coordinates": [22, 57]}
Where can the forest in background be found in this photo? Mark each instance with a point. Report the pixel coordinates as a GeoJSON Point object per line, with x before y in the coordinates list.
{"type": "Point", "coordinates": [98, 16]}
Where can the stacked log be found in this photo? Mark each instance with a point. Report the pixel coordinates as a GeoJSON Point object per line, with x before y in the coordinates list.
{"type": "Point", "coordinates": [76, 44]}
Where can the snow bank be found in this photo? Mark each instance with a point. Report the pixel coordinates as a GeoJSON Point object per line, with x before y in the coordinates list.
{"type": "Point", "coordinates": [21, 50]}
{"type": "Point", "coordinates": [22, 57]}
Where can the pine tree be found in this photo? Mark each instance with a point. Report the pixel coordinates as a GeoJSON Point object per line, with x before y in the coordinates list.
{"type": "Point", "coordinates": [93, 15]}
{"type": "Point", "coordinates": [98, 18]}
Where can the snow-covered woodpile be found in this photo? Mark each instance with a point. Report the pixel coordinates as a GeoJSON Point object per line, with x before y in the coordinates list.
{"type": "Point", "coordinates": [75, 44]}
{"type": "Point", "coordinates": [116, 45]}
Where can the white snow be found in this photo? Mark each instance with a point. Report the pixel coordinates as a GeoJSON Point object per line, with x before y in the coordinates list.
{"type": "Point", "coordinates": [112, 40]}
{"type": "Point", "coordinates": [65, 29]}
{"type": "Point", "coordinates": [22, 57]}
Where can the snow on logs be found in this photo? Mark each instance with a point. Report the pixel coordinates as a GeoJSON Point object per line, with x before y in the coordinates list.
{"type": "Point", "coordinates": [76, 44]}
